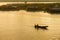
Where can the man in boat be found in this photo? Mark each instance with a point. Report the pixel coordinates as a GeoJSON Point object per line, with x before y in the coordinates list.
{"type": "Point", "coordinates": [36, 26]}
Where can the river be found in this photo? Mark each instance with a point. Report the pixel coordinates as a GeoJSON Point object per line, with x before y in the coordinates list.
{"type": "Point", "coordinates": [19, 25]}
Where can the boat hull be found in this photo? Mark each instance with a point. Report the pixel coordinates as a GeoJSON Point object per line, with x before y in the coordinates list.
{"type": "Point", "coordinates": [43, 27]}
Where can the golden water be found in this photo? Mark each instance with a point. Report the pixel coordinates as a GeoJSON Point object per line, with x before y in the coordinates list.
{"type": "Point", "coordinates": [19, 25]}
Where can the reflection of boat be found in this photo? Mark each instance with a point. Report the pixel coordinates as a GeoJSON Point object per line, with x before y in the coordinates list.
{"type": "Point", "coordinates": [43, 27]}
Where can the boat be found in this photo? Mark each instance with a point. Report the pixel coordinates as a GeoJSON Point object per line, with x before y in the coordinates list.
{"type": "Point", "coordinates": [38, 26]}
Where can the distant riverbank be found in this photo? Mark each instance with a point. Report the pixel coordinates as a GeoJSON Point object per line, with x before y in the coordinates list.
{"type": "Point", "coordinates": [29, 6]}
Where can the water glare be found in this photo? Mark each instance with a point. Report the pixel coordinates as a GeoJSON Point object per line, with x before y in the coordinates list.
{"type": "Point", "coordinates": [19, 25]}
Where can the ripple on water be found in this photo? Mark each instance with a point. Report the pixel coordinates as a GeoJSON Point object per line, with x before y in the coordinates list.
{"type": "Point", "coordinates": [54, 38]}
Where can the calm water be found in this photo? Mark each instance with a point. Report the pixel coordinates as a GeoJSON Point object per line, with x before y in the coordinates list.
{"type": "Point", "coordinates": [19, 25]}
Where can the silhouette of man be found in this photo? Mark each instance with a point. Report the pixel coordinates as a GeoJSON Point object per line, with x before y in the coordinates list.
{"type": "Point", "coordinates": [37, 25]}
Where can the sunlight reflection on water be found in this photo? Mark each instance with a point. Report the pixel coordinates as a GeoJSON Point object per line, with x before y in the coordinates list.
{"type": "Point", "coordinates": [19, 25]}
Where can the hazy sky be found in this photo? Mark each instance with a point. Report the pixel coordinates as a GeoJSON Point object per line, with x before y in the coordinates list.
{"type": "Point", "coordinates": [30, 0]}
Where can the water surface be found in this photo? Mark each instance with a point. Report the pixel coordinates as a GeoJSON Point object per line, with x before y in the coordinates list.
{"type": "Point", "coordinates": [19, 25]}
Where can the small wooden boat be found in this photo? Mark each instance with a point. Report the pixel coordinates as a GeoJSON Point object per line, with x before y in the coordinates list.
{"type": "Point", "coordinates": [43, 27]}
